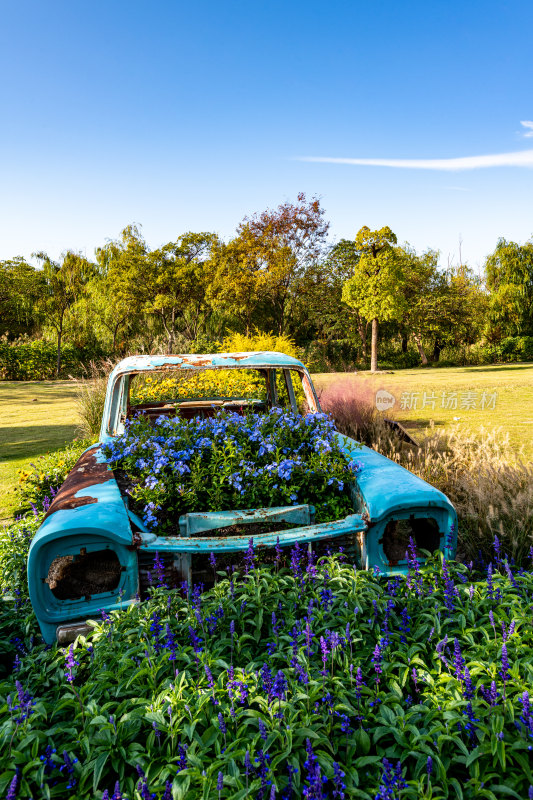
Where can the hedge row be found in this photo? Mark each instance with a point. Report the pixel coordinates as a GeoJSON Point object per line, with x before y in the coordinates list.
{"type": "Point", "coordinates": [36, 360]}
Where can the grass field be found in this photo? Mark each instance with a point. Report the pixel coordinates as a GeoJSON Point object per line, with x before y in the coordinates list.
{"type": "Point", "coordinates": [499, 395]}
{"type": "Point", "coordinates": [37, 417]}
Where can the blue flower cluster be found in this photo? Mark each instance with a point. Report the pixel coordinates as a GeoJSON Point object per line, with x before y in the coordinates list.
{"type": "Point", "coordinates": [233, 461]}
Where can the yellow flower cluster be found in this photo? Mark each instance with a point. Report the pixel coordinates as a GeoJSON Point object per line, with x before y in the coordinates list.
{"type": "Point", "coordinates": [211, 384]}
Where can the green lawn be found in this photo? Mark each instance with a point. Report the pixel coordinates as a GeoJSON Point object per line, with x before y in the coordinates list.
{"type": "Point", "coordinates": [39, 416]}
{"type": "Point", "coordinates": [507, 387]}
{"type": "Point", "coordinates": [35, 417]}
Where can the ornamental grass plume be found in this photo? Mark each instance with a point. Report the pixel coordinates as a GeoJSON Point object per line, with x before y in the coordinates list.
{"type": "Point", "coordinates": [490, 487]}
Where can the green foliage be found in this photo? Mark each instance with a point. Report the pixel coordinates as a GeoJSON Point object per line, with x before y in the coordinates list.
{"type": "Point", "coordinates": [276, 273]}
{"type": "Point", "coordinates": [36, 360]}
{"type": "Point", "coordinates": [19, 292]}
{"type": "Point", "coordinates": [15, 541]}
{"type": "Point", "coordinates": [374, 289]}
{"type": "Point", "coordinates": [509, 275]}
{"type": "Point", "coordinates": [400, 670]}
{"type": "Point", "coordinates": [38, 485]}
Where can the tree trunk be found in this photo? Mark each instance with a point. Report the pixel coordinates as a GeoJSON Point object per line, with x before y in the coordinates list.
{"type": "Point", "coordinates": [59, 335]}
{"type": "Point", "coordinates": [405, 339]}
{"type": "Point", "coordinates": [361, 329]}
{"type": "Point", "coordinates": [420, 349]}
{"type": "Point", "coordinates": [374, 351]}
{"type": "Point", "coordinates": [437, 347]}
{"type": "Point", "coordinates": [115, 333]}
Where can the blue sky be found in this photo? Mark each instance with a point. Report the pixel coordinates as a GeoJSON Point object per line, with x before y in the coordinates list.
{"type": "Point", "coordinates": [188, 116]}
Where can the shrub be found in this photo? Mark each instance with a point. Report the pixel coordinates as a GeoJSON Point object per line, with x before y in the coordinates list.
{"type": "Point", "coordinates": [315, 681]}
{"type": "Point", "coordinates": [15, 540]}
{"type": "Point", "coordinates": [35, 360]}
{"type": "Point", "coordinates": [242, 343]}
{"type": "Point", "coordinates": [38, 485]}
{"type": "Point", "coordinates": [233, 462]}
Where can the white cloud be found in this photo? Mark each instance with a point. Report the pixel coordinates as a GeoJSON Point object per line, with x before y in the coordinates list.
{"type": "Point", "coordinates": [523, 158]}
{"type": "Point", "coordinates": [528, 125]}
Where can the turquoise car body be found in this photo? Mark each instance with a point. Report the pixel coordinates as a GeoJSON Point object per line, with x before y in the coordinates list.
{"type": "Point", "coordinates": [90, 517]}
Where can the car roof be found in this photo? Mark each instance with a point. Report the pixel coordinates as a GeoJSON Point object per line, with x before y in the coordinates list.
{"type": "Point", "coordinates": [264, 358]}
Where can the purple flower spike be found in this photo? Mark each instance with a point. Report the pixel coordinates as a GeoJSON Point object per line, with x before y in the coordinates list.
{"type": "Point", "coordinates": [70, 664]}
{"type": "Point", "coordinates": [12, 791]}
{"type": "Point", "coordinates": [159, 569]}
{"type": "Point", "coordinates": [249, 557]}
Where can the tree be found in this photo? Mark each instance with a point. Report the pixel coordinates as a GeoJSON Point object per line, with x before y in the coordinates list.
{"type": "Point", "coordinates": [236, 284]}
{"type": "Point", "coordinates": [286, 242]}
{"type": "Point", "coordinates": [342, 262]}
{"type": "Point", "coordinates": [170, 282]}
{"type": "Point", "coordinates": [374, 288]}
{"type": "Point", "coordinates": [442, 307]}
{"type": "Point", "coordinates": [62, 285]}
{"type": "Point", "coordinates": [19, 291]}
{"type": "Point", "coordinates": [509, 277]}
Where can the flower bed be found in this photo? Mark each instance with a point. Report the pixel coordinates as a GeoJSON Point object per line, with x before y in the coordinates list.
{"type": "Point", "coordinates": [315, 681]}
{"type": "Point", "coordinates": [231, 461]}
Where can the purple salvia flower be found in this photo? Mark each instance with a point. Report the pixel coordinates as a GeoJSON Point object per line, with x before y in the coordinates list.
{"type": "Point", "coordinates": [458, 660]}
{"type": "Point", "coordinates": [279, 553]}
{"type": "Point", "coordinates": [468, 685]}
{"type": "Point", "coordinates": [70, 663]}
{"type": "Point", "coordinates": [296, 556]}
{"type": "Point", "coordinates": [170, 643]}
{"type": "Point", "coordinates": [429, 766]}
{"type": "Point", "coordinates": [313, 789]}
{"type": "Point", "coordinates": [262, 730]}
{"type": "Point", "coordinates": [266, 679]}
{"type": "Point", "coordinates": [490, 696]}
{"type": "Point", "coordinates": [12, 791]}
{"type": "Point", "coordinates": [359, 682]}
{"type": "Point", "coordinates": [220, 783]}
{"type": "Point", "coordinates": [338, 783]}
{"type": "Point", "coordinates": [377, 661]}
{"type": "Point", "coordinates": [159, 569]}
{"type": "Point", "coordinates": [490, 585]}
{"type": "Point", "coordinates": [247, 767]}
{"type": "Point", "coordinates": [249, 557]}
{"type": "Point", "coordinates": [470, 726]}
{"type": "Point", "coordinates": [449, 587]}
{"type": "Point", "coordinates": [325, 652]}
{"type": "Point", "coordinates": [504, 672]}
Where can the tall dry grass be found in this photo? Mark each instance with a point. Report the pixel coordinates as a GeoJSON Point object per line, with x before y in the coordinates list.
{"type": "Point", "coordinates": [90, 397]}
{"type": "Point", "coordinates": [490, 486]}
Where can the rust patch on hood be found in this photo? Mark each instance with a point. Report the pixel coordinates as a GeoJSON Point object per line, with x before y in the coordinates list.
{"type": "Point", "coordinates": [85, 473]}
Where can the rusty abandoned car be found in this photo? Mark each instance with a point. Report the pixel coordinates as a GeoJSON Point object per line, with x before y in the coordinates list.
{"type": "Point", "coordinates": [93, 552]}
